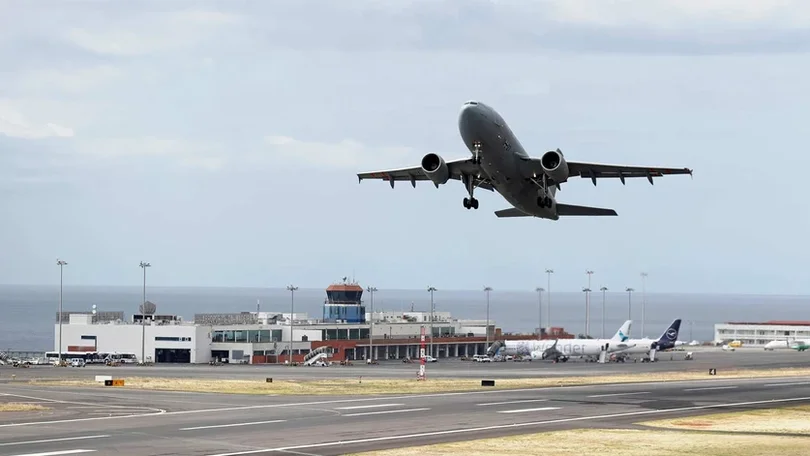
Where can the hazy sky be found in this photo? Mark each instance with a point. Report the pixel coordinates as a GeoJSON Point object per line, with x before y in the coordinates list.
{"type": "Point", "coordinates": [221, 141]}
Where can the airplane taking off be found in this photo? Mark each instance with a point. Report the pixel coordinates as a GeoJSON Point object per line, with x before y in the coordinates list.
{"type": "Point", "coordinates": [500, 163]}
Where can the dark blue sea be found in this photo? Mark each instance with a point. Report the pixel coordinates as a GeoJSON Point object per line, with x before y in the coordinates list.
{"type": "Point", "coordinates": [29, 312]}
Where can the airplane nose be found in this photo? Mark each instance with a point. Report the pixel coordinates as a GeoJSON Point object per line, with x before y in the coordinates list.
{"type": "Point", "coordinates": [470, 114]}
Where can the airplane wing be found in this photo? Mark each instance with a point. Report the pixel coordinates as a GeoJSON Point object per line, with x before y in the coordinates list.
{"type": "Point", "coordinates": [459, 167]}
{"type": "Point", "coordinates": [595, 171]}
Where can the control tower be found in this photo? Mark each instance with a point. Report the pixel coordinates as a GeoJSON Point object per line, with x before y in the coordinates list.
{"type": "Point", "coordinates": [344, 303]}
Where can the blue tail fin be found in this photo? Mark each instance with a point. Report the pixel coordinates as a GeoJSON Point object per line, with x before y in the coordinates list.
{"type": "Point", "coordinates": [667, 340]}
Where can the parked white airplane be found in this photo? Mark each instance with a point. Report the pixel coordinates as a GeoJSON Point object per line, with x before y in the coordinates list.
{"type": "Point", "coordinates": [500, 163]}
{"type": "Point", "coordinates": [668, 340]}
{"type": "Point", "coordinates": [793, 344]}
{"type": "Point", "coordinates": [562, 349]}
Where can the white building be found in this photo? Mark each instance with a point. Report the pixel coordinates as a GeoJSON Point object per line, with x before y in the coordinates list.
{"type": "Point", "coordinates": [759, 334]}
{"type": "Point", "coordinates": [257, 337]}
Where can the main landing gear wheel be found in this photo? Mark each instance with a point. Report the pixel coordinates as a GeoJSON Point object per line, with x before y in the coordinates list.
{"type": "Point", "coordinates": [470, 203]}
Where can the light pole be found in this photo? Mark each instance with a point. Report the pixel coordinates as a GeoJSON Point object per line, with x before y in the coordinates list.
{"type": "Point", "coordinates": [629, 305]}
{"type": "Point", "coordinates": [588, 305]}
{"type": "Point", "coordinates": [487, 290]}
{"type": "Point", "coordinates": [60, 263]}
{"type": "Point", "coordinates": [371, 291]}
{"type": "Point", "coordinates": [143, 266]}
{"type": "Point", "coordinates": [643, 300]}
{"type": "Point", "coordinates": [690, 330]}
{"type": "Point", "coordinates": [603, 289]}
{"type": "Point", "coordinates": [587, 315]}
{"type": "Point", "coordinates": [539, 291]}
{"type": "Point", "coordinates": [431, 289]}
{"type": "Point", "coordinates": [548, 300]}
{"type": "Point", "coordinates": [291, 289]}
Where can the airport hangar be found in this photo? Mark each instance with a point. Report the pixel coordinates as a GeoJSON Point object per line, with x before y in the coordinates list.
{"type": "Point", "coordinates": [758, 334]}
{"type": "Point", "coordinates": [255, 337]}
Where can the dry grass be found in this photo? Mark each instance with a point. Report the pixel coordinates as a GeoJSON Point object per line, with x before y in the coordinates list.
{"type": "Point", "coordinates": [792, 420]}
{"type": "Point", "coordinates": [352, 386]}
{"type": "Point", "coordinates": [614, 443]}
{"type": "Point", "coordinates": [21, 407]}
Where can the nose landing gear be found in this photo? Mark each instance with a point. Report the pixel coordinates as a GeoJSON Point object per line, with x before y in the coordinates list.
{"type": "Point", "coordinates": [477, 152]}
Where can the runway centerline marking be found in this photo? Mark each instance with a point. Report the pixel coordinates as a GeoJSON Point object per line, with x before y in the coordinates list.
{"type": "Point", "coordinates": [787, 384]}
{"type": "Point", "coordinates": [507, 426]}
{"type": "Point", "coordinates": [539, 409]}
{"type": "Point", "coordinates": [512, 402]}
{"type": "Point", "coordinates": [711, 388]}
{"type": "Point", "coordinates": [214, 426]}
{"type": "Point", "coordinates": [619, 394]}
{"type": "Point", "coordinates": [64, 439]}
{"type": "Point", "coordinates": [384, 412]}
{"type": "Point", "coordinates": [354, 407]}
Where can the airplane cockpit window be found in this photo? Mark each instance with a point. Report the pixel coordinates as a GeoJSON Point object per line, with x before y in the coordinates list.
{"type": "Point", "coordinates": [471, 103]}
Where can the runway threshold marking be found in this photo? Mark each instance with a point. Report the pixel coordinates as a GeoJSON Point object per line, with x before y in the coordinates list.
{"type": "Point", "coordinates": [512, 402]}
{"type": "Point", "coordinates": [711, 388]}
{"type": "Point", "coordinates": [383, 412]}
{"type": "Point", "coordinates": [506, 426]}
{"type": "Point", "coordinates": [64, 439]}
{"type": "Point", "coordinates": [620, 394]}
{"type": "Point", "coordinates": [214, 426]}
{"type": "Point", "coordinates": [539, 409]}
{"type": "Point", "coordinates": [56, 453]}
{"type": "Point", "coordinates": [354, 407]}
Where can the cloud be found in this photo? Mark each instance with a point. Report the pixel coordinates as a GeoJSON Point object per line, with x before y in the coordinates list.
{"type": "Point", "coordinates": [187, 153]}
{"type": "Point", "coordinates": [148, 33]}
{"type": "Point", "coordinates": [14, 124]}
{"type": "Point", "coordinates": [344, 154]}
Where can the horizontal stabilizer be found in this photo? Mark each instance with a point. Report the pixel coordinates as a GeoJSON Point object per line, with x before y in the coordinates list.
{"type": "Point", "coordinates": [567, 210]}
{"type": "Point", "coordinates": [511, 212]}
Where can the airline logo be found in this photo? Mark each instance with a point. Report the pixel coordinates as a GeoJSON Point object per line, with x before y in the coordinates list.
{"type": "Point", "coordinates": [672, 334]}
{"type": "Point", "coordinates": [622, 336]}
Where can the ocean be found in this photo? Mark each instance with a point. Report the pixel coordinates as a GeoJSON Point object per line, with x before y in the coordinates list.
{"type": "Point", "coordinates": [29, 312]}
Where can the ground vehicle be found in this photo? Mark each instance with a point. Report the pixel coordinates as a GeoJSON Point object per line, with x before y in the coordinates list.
{"type": "Point", "coordinates": [482, 359]}
{"type": "Point", "coordinates": [77, 362]}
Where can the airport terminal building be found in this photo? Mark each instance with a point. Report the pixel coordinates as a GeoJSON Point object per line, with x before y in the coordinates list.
{"type": "Point", "coordinates": [759, 334]}
{"type": "Point", "coordinates": [342, 334]}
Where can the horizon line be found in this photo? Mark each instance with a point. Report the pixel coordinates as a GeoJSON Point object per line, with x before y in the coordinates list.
{"type": "Point", "coordinates": [282, 288]}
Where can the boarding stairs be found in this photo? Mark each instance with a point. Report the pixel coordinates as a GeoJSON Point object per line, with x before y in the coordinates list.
{"type": "Point", "coordinates": [494, 348]}
{"type": "Point", "coordinates": [315, 359]}
{"type": "Point", "coordinates": [3, 358]}
{"type": "Point", "coordinates": [309, 358]}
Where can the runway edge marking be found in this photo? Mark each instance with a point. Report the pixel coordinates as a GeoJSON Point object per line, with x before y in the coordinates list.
{"type": "Point", "coordinates": [507, 426]}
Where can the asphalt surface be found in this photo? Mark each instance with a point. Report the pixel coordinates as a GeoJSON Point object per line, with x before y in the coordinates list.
{"type": "Point", "coordinates": [137, 422]}
{"type": "Point", "coordinates": [444, 368]}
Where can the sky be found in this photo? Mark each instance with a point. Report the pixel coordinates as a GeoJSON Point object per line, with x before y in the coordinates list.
{"type": "Point", "coordinates": [220, 141]}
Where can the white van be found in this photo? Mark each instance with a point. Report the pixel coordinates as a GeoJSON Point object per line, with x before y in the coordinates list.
{"type": "Point", "coordinates": [482, 359]}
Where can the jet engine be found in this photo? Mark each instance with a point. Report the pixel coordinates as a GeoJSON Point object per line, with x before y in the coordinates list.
{"type": "Point", "coordinates": [435, 169]}
{"type": "Point", "coordinates": [554, 165]}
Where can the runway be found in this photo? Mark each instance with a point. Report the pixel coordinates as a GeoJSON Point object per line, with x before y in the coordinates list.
{"type": "Point", "coordinates": [136, 422]}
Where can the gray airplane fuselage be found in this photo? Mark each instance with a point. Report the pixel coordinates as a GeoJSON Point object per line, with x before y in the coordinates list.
{"type": "Point", "coordinates": [502, 157]}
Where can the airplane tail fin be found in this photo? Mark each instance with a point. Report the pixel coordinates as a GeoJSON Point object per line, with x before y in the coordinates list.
{"type": "Point", "coordinates": [623, 333]}
{"type": "Point", "coordinates": [511, 212]}
{"type": "Point", "coordinates": [671, 334]}
{"type": "Point", "coordinates": [569, 210]}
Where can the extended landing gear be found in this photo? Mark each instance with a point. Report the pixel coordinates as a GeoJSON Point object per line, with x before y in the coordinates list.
{"type": "Point", "coordinates": [477, 152]}
{"type": "Point", "coordinates": [543, 201]}
{"type": "Point", "coordinates": [471, 202]}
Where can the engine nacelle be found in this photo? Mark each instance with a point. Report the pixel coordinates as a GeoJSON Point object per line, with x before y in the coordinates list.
{"type": "Point", "coordinates": [554, 165]}
{"type": "Point", "coordinates": [435, 168]}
